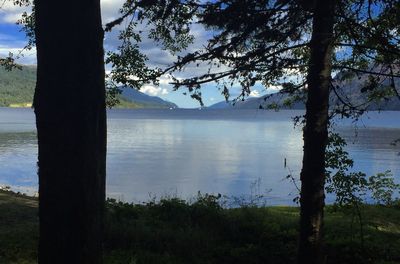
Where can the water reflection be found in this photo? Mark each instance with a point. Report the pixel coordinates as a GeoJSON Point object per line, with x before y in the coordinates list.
{"type": "Point", "coordinates": [18, 155]}
{"type": "Point", "coordinates": [184, 156]}
{"type": "Point", "coordinates": [372, 149]}
{"type": "Point", "coordinates": [155, 153]}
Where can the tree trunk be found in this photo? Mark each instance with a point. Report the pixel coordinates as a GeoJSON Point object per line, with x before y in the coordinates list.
{"type": "Point", "coordinates": [71, 127]}
{"type": "Point", "coordinates": [316, 135]}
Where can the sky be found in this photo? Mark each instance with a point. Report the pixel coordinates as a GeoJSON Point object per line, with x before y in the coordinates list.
{"type": "Point", "coordinates": [13, 40]}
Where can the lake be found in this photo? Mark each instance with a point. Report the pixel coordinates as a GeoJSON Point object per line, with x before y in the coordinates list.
{"type": "Point", "coordinates": [157, 153]}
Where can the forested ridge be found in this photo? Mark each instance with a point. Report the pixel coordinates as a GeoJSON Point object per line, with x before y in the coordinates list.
{"type": "Point", "coordinates": [18, 85]}
{"type": "Point", "coordinates": [351, 89]}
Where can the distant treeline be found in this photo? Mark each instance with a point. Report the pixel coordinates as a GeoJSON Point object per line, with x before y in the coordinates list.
{"type": "Point", "coordinates": [17, 86]}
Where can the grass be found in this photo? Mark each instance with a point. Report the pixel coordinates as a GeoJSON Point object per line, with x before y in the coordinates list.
{"type": "Point", "coordinates": [18, 229]}
{"type": "Point", "coordinates": [174, 231]}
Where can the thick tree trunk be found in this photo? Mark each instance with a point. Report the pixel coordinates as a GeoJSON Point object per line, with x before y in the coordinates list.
{"type": "Point", "coordinates": [316, 135]}
{"type": "Point", "coordinates": [71, 124]}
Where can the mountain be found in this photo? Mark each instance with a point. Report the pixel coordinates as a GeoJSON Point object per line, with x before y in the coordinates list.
{"type": "Point", "coordinates": [354, 89]}
{"type": "Point", "coordinates": [258, 102]}
{"type": "Point", "coordinates": [350, 90]}
{"type": "Point", "coordinates": [17, 88]}
{"type": "Point", "coordinates": [146, 101]}
{"type": "Point", "coordinates": [249, 103]}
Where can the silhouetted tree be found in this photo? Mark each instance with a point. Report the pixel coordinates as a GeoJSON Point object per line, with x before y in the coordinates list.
{"type": "Point", "coordinates": [315, 134]}
{"type": "Point", "coordinates": [69, 104]}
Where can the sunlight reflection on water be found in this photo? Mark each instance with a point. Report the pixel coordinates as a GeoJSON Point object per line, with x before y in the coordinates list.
{"type": "Point", "coordinates": [180, 152]}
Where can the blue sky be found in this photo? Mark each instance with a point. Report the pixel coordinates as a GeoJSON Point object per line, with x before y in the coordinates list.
{"type": "Point", "coordinates": [13, 40]}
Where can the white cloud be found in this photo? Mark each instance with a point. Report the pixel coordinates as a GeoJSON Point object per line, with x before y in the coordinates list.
{"type": "Point", "coordinates": [10, 13]}
{"type": "Point", "coordinates": [110, 10]}
{"type": "Point", "coordinates": [11, 18]}
{"type": "Point", "coordinates": [27, 57]}
{"type": "Point", "coordinates": [254, 93]}
{"type": "Point", "coordinates": [164, 91]}
{"type": "Point", "coordinates": [153, 90]}
{"type": "Point", "coordinates": [274, 88]}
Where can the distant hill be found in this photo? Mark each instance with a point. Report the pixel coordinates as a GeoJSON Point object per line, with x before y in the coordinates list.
{"type": "Point", "coordinates": [146, 101]}
{"type": "Point", "coordinates": [257, 102]}
{"type": "Point", "coordinates": [17, 89]}
{"type": "Point", "coordinates": [350, 89]}
{"type": "Point", "coordinates": [17, 86]}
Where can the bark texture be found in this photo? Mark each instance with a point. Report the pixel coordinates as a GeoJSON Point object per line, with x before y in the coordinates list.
{"type": "Point", "coordinates": [70, 113]}
{"type": "Point", "coordinates": [316, 135]}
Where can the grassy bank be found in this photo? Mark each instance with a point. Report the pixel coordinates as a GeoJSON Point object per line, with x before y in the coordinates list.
{"type": "Point", "coordinates": [173, 231]}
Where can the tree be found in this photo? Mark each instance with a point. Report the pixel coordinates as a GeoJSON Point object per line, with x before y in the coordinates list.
{"type": "Point", "coordinates": [69, 104]}
{"type": "Point", "coordinates": [264, 41]}
{"type": "Point", "coordinates": [315, 134]}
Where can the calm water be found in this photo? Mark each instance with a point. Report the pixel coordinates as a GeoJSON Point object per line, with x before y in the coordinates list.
{"type": "Point", "coordinates": [153, 153]}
